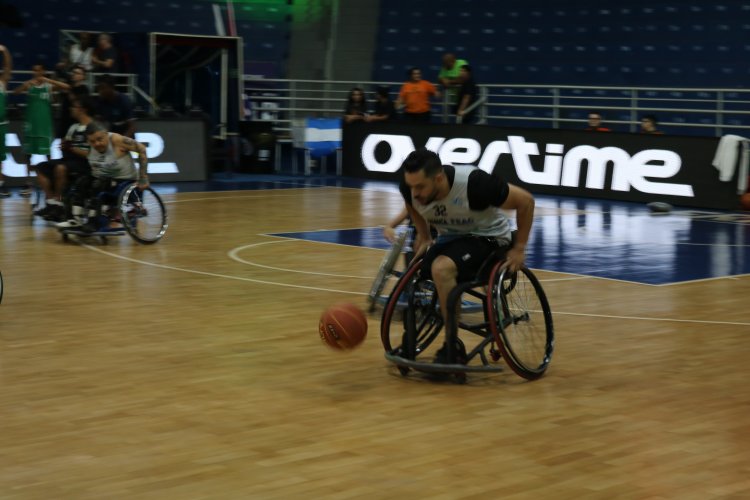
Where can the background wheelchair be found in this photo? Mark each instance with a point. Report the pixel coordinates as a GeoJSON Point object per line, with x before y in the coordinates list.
{"type": "Point", "coordinates": [136, 211]}
{"type": "Point", "coordinates": [514, 323]}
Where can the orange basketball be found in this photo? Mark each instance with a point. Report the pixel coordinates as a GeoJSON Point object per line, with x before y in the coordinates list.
{"type": "Point", "coordinates": [745, 201]}
{"type": "Point", "coordinates": [343, 326]}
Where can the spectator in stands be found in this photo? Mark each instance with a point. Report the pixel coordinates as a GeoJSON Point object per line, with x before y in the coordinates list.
{"type": "Point", "coordinates": [468, 94]}
{"type": "Point", "coordinates": [450, 76]}
{"type": "Point", "coordinates": [356, 106]}
{"type": "Point", "coordinates": [414, 97]}
{"type": "Point", "coordinates": [37, 137]}
{"type": "Point", "coordinates": [648, 125]}
{"type": "Point", "coordinates": [595, 122]}
{"type": "Point", "coordinates": [81, 53]}
{"type": "Point", "coordinates": [4, 79]}
{"type": "Point", "coordinates": [114, 108]}
{"type": "Point", "coordinates": [384, 109]}
{"type": "Point", "coordinates": [104, 57]}
{"type": "Point", "coordinates": [55, 176]}
{"type": "Point", "coordinates": [78, 89]}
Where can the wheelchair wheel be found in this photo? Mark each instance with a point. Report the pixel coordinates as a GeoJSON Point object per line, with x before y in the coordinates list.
{"type": "Point", "coordinates": [1, 288]}
{"type": "Point", "coordinates": [521, 321]}
{"type": "Point", "coordinates": [143, 214]}
{"type": "Point", "coordinates": [386, 269]}
{"type": "Point", "coordinates": [409, 335]}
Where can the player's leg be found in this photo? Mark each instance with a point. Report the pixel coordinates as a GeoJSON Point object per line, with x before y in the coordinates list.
{"type": "Point", "coordinates": [4, 193]}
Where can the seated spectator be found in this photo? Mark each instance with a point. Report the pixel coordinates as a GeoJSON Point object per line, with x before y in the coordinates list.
{"type": "Point", "coordinates": [384, 109]}
{"type": "Point", "coordinates": [414, 97]}
{"type": "Point", "coordinates": [114, 108]}
{"type": "Point", "coordinates": [356, 107]}
{"type": "Point", "coordinates": [104, 57]}
{"type": "Point", "coordinates": [595, 122]}
{"type": "Point", "coordinates": [648, 125]}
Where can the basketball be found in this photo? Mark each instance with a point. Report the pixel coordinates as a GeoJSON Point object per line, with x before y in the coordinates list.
{"type": "Point", "coordinates": [343, 326]}
{"type": "Point", "coordinates": [745, 201]}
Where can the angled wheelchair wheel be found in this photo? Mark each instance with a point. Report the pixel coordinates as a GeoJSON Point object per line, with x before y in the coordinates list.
{"type": "Point", "coordinates": [521, 321]}
{"type": "Point", "coordinates": [409, 334]}
{"type": "Point", "coordinates": [143, 214]}
{"type": "Point", "coordinates": [1, 288]}
{"type": "Point", "coordinates": [385, 270]}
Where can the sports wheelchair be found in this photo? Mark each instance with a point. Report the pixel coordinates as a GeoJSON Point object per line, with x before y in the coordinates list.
{"type": "Point", "coordinates": [512, 321]}
{"type": "Point", "coordinates": [136, 211]}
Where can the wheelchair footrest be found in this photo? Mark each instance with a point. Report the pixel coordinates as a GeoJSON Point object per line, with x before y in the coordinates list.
{"type": "Point", "coordinates": [423, 366]}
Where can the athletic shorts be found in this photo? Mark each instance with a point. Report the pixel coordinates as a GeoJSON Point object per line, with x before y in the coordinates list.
{"type": "Point", "coordinates": [75, 168]}
{"type": "Point", "coordinates": [468, 252]}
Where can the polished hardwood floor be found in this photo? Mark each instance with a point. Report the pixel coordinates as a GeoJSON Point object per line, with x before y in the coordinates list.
{"type": "Point", "coordinates": [192, 369]}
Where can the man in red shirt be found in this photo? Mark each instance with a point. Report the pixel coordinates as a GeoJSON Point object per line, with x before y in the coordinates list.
{"type": "Point", "coordinates": [414, 97]}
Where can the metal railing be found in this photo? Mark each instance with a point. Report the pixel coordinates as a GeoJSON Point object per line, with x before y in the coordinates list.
{"type": "Point", "coordinates": [712, 112]}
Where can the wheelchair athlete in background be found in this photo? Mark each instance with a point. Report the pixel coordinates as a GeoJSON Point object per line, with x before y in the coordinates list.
{"type": "Point", "coordinates": [111, 165]}
{"type": "Point", "coordinates": [464, 205]}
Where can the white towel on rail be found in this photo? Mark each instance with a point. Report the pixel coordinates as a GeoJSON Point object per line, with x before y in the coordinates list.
{"type": "Point", "coordinates": [725, 160]}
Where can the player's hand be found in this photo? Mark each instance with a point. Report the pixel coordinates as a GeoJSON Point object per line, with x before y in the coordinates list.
{"type": "Point", "coordinates": [389, 233]}
{"type": "Point", "coordinates": [420, 248]}
{"type": "Point", "coordinates": [515, 258]}
{"type": "Point", "coordinates": [143, 182]}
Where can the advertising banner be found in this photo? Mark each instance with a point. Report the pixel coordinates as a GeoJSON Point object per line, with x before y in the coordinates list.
{"type": "Point", "coordinates": [177, 150]}
{"type": "Point", "coordinates": [616, 166]}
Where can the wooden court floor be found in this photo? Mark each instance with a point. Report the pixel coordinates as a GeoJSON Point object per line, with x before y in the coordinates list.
{"type": "Point", "coordinates": [192, 369]}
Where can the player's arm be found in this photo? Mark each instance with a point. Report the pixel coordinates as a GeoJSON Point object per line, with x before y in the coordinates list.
{"type": "Point", "coordinates": [523, 203]}
{"type": "Point", "coordinates": [7, 64]}
{"type": "Point", "coordinates": [56, 83]}
{"type": "Point", "coordinates": [389, 230]}
{"type": "Point", "coordinates": [424, 238]}
{"type": "Point", "coordinates": [128, 144]}
{"type": "Point", "coordinates": [23, 87]}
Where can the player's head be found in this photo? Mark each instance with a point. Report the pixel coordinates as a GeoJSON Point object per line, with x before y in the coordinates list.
{"type": "Point", "coordinates": [415, 74]}
{"type": "Point", "coordinates": [77, 73]}
{"type": "Point", "coordinates": [82, 107]}
{"type": "Point", "coordinates": [464, 72]}
{"type": "Point", "coordinates": [106, 87]}
{"type": "Point", "coordinates": [38, 70]}
{"type": "Point", "coordinates": [96, 134]}
{"type": "Point", "coordinates": [423, 173]}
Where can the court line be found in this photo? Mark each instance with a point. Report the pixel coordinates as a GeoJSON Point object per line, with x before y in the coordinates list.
{"type": "Point", "coordinates": [263, 282]}
{"type": "Point", "coordinates": [233, 255]}
{"type": "Point", "coordinates": [216, 275]}
{"type": "Point", "coordinates": [643, 318]}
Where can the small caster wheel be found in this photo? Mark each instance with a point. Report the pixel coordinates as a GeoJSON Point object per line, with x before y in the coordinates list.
{"type": "Point", "coordinates": [403, 370]}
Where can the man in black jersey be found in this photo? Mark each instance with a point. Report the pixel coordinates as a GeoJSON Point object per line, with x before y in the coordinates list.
{"type": "Point", "coordinates": [464, 204]}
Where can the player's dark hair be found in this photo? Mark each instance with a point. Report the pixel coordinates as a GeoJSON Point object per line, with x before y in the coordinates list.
{"type": "Point", "coordinates": [94, 127]}
{"type": "Point", "coordinates": [423, 159]}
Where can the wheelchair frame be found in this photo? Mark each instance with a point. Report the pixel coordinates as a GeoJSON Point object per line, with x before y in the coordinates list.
{"type": "Point", "coordinates": [422, 322]}
{"type": "Point", "coordinates": [130, 208]}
